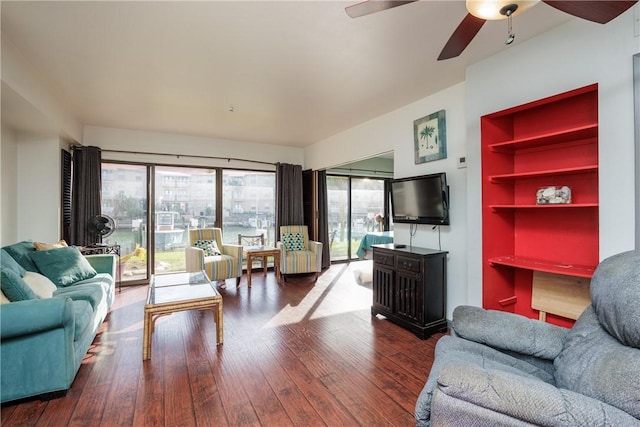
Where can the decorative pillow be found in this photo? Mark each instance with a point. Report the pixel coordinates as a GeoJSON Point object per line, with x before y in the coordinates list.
{"type": "Point", "coordinates": [46, 246]}
{"type": "Point", "coordinates": [3, 298]}
{"type": "Point", "coordinates": [10, 264]}
{"type": "Point", "coordinates": [63, 266]}
{"type": "Point", "coordinates": [14, 287]}
{"type": "Point", "coordinates": [21, 252]}
{"type": "Point", "coordinates": [293, 241]}
{"type": "Point", "coordinates": [39, 284]}
{"type": "Point", "coordinates": [210, 247]}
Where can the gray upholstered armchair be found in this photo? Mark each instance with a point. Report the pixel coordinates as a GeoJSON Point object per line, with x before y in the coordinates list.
{"type": "Point", "coordinates": [498, 368]}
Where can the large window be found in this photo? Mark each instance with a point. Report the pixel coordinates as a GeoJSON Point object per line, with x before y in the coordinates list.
{"type": "Point", "coordinates": [248, 205]}
{"type": "Point", "coordinates": [183, 198]}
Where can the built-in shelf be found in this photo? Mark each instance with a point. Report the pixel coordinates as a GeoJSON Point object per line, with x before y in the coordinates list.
{"type": "Point", "coordinates": [509, 177]}
{"type": "Point", "coordinates": [540, 265]}
{"type": "Point", "coordinates": [549, 141]}
{"type": "Point", "coordinates": [548, 206]}
{"type": "Point", "coordinates": [557, 137]}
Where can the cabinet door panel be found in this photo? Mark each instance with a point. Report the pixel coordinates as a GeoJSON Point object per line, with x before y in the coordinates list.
{"type": "Point", "coordinates": [409, 296]}
{"type": "Point", "coordinates": [383, 289]}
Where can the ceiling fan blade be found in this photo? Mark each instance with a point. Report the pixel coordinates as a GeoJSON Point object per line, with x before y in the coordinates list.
{"type": "Point", "coordinates": [367, 7]}
{"type": "Point", "coordinates": [595, 11]}
{"type": "Point", "coordinates": [461, 37]}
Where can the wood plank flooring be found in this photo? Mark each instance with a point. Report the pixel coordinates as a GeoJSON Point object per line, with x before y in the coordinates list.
{"type": "Point", "coordinates": [298, 354]}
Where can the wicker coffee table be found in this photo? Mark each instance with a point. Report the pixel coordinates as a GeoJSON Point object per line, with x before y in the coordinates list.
{"type": "Point", "coordinates": [170, 293]}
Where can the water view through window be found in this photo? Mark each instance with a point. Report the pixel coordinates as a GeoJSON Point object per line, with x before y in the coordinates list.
{"type": "Point", "coordinates": [184, 198]}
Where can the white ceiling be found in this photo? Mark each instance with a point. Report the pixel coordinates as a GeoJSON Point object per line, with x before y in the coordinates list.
{"type": "Point", "coordinates": [295, 72]}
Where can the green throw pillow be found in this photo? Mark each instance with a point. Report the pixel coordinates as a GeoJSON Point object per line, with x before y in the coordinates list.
{"type": "Point", "coordinates": [13, 287]}
{"type": "Point", "coordinates": [293, 241]}
{"type": "Point", "coordinates": [9, 263]}
{"type": "Point", "coordinates": [63, 266]}
{"type": "Point", "coordinates": [210, 247]}
{"type": "Point", "coordinates": [21, 253]}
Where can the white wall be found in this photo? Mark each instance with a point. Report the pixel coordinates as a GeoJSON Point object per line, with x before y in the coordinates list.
{"type": "Point", "coordinates": [157, 142]}
{"type": "Point", "coordinates": [31, 83]}
{"type": "Point", "coordinates": [394, 132]}
{"type": "Point", "coordinates": [8, 187]}
{"type": "Point", "coordinates": [570, 56]}
{"type": "Point", "coordinates": [38, 188]}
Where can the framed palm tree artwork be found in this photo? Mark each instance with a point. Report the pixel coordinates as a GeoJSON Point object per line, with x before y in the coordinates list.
{"type": "Point", "coordinates": [430, 137]}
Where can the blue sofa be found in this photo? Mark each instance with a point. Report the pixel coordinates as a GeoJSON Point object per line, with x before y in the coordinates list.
{"type": "Point", "coordinates": [499, 368]}
{"type": "Point", "coordinates": [46, 330]}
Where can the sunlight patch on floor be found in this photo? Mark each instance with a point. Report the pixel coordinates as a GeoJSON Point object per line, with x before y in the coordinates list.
{"type": "Point", "coordinates": [336, 292]}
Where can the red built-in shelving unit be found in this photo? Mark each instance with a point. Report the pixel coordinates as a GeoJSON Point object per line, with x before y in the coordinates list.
{"type": "Point", "coordinates": [552, 141]}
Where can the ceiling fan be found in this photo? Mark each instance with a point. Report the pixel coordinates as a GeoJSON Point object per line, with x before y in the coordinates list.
{"type": "Point", "coordinates": [481, 11]}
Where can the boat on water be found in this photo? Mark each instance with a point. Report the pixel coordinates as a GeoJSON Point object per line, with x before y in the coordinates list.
{"type": "Point", "coordinates": [167, 234]}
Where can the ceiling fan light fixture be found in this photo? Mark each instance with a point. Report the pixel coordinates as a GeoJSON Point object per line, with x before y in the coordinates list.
{"type": "Point", "coordinates": [491, 9]}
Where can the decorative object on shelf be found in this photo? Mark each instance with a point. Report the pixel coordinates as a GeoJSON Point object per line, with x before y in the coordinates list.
{"type": "Point", "coordinates": [430, 137]}
{"type": "Point", "coordinates": [553, 195]}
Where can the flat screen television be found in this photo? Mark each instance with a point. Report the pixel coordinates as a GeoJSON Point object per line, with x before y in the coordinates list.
{"type": "Point", "coordinates": [421, 199]}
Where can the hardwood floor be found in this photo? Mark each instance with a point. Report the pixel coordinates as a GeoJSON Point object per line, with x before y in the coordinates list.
{"type": "Point", "coordinates": [298, 354]}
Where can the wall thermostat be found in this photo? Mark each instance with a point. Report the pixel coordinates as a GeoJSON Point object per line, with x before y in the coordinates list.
{"type": "Point", "coordinates": [462, 162]}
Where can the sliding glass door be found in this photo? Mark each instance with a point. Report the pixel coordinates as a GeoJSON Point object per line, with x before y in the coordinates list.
{"type": "Point", "coordinates": [184, 199]}
{"type": "Point", "coordinates": [356, 207]}
{"type": "Point", "coordinates": [124, 198]}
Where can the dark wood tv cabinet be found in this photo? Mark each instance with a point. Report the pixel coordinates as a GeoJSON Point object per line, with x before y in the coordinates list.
{"type": "Point", "coordinates": [410, 288]}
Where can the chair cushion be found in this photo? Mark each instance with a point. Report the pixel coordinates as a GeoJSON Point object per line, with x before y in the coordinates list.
{"type": "Point", "coordinates": [597, 365]}
{"type": "Point", "coordinates": [293, 241]}
{"type": "Point", "coordinates": [615, 295]}
{"type": "Point", "coordinates": [63, 266]}
{"type": "Point", "coordinates": [93, 293]}
{"type": "Point", "coordinates": [14, 287]}
{"type": "Point", "coordinates": [450, 349]}
{"type": "Point", "coordinates": [210, 247]}
{"type": "Point", "coordinates": [299, 262]}
{"type": "Point", "coordinates": [220, 267]}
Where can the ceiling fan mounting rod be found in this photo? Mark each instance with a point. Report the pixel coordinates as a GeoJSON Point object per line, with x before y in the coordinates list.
{"type": "Point", "coordinates": [508, 10]}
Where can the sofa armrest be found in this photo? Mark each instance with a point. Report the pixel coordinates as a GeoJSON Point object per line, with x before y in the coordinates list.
{"type": "Point", "coordinates": [33, 316]}
{"type": "Point", "coordinates": [103, 263]}
{"type": "Point", "coordinates": [232, 250]}
{"type": "Point", "coordinates": [316, 248]}
{"type": "Point", "coordinates": [520, 398]}
{"type": "Point", "coordinates": [194, 259]}
{"type": "Point", "coordinates": [508, 331]}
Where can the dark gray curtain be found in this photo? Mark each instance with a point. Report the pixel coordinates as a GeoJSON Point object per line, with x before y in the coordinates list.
{"type": "Point", "coordinates": [289, 203]}
{"type": "Point", "coordinates": [85, 194]}
{"type": "Point", "coordinates": [323, 218]}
